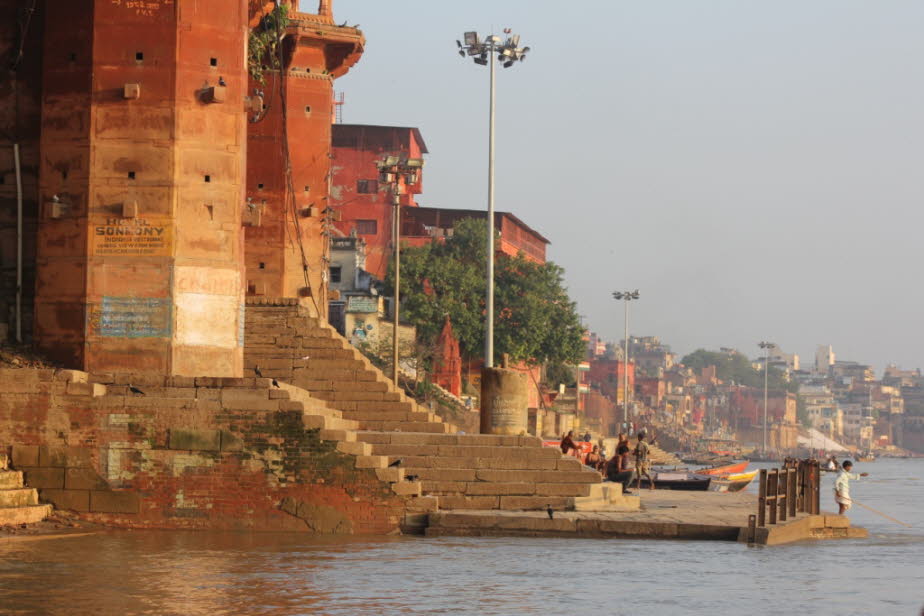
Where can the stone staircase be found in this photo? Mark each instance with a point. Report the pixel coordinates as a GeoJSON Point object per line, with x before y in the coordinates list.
{"type": "Point", "coordinates": [18, 504]}
{"type": "Point", "coordinates": [285, 343]}
{"type": "Point", "coordinates": [453, 471]}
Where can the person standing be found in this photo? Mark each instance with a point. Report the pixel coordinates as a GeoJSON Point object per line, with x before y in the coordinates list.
{"type": "Point", "coordinates": [642, 462]}
{"type": "Point", "coordinates": [842, 486]}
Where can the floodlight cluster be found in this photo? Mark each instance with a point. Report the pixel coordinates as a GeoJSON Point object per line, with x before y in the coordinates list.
{"type": "Point", "coordinates": [508, 50]}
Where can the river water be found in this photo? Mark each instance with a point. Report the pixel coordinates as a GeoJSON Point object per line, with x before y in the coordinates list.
{"type": "Point", "coordinates": [214, 574]}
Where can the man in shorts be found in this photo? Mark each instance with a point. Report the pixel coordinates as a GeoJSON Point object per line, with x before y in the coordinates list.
{"type": "Point", "coordinates": [642, 462]}
{"type": "Point", "coordinates": [842, 486]}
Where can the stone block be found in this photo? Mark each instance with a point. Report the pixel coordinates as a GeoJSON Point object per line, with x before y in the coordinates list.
{"type": "Point", "coordinates": [47, 477]}
{"type": "Point", "coordinates": [371, 462]}
{"type": "Point", "coordinates": [453, 487]}
{"type": "Point", "coordinates": [25, 455]}
{"type": "Point", "coordinates": [83, 479]}
{"type": "Point", "coordinates": [71, 376]}
{"type": "Point", "coordinates": [77, 457]}
{"type": "Point", "coordinates": [194, 440]}
{"type": "Point", "coordinates": [536, 524]}
{"type": "Point", "coordinates": [18, 497]}
{"type": "Point", "coordinates": [73, 500]}
{"type": "Point", "coordinates": [355, 449]}
{"type": "Point", "coordinates": [406, 488]}
{"type": "Point", "coordinates": [837, 521]}
{"type": "Point", "coordinates": [535, 503]}
{"type": "Point", "coordinates": [501, 489]}
{"type": "Point", "coordinates": [444, 474]}
{"type": "Point", "coordinates": [114, 502]}
{"type": "Point", "coordinates": [563, 489]}
{"type": "Point", "coordinates": [423, 504]}
{"type": "Point", "coordinates": [230, 442]}
{"type": "Point", "coordinates": [86, 389]}
{"type": "Point", "coordinates": [468, 502]}
{"type": "Point", "coordinates": [52, 456]}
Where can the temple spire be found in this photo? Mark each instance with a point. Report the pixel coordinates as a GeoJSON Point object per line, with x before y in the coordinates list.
{"type": "Point", "coordinates": [325, 9]}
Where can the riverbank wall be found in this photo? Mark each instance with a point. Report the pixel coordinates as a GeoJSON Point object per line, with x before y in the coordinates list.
{"type": "Point", "coordinates": [219, 453]}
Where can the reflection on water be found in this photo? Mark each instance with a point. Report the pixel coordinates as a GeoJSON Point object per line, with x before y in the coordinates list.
{"type": "Point", "coordinates": [224, 573]}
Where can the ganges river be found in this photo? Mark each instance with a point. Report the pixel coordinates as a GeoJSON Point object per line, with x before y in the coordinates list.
{"type": "Point", "coordinates": [211, 574]}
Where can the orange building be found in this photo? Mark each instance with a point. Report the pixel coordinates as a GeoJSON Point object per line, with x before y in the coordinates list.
{"type": "Point", "coordinates": [140, 184]}
{"type": "Point", "coordinates": [289, 160]}
{"type": "Point", "coordinates": [363, 203]}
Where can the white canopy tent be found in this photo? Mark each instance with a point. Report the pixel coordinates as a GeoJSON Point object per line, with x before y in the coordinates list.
{"type": "Point", "coordinates": [816, 440]}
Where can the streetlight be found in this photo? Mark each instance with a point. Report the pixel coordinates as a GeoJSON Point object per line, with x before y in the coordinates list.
{"type": "Point", "coordinates": [766, 346]}
{"type": "Point", "coordinates": [508, 52]}
{"type": "Point", "coordinates": [392, 171]}
{"type": "Point", "coordinates": [626, 296]}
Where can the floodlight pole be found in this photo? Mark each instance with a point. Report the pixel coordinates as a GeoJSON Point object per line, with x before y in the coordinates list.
{"type": "Point", "coordinates": [489, 295]}
{"type": "Point", "coordinates": [626, 296]}
{"type": "Point", "coordinates": [396, 201]}
{"type": "Point", "coordinates": [766, 346]}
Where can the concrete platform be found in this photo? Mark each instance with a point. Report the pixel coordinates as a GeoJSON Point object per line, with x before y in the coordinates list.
{"type": "Point", "coordinates": [664, 514]}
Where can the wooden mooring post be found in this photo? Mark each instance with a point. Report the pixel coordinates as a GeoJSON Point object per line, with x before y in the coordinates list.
{"type": "Point", "coordinates": [785, 492]}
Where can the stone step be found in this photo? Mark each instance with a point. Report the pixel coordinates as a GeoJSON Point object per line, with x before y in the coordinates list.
{"type": "Point", "coordinates": [340, 374]}
{"type": "Point", "coordinates": [323, 422]}
{"type": "Point", "coordinates": [371, 462]}
{"type": "Point", "coordinates": [477, 440]}
{"type": "Point", "coordinates": [354, 449]}
{"type": "Point", "coordinates": [516, 463]}
{"type": "Point", "coordinates": [399, 416]}
{"type": "Point", "coordinates": [318, 385]}
{"type": "Point", "coordinates": [10, 480]}
{"type": "Point", "coordinates": [467, 451]}
{"type": "Point", "coordinates": [334, 397]}
{"type": "Point", "coordinates": [18, 497]}
{"type": "Point", "coordinates": [4, 462]}
{"type": "Point", "coordinates": [513, 503]}
{"type": "Point", "coordinates": [24, 515]}
{"type": "Point", "coordinates": [407, 488]}
{"type": "Point", "coordinates": [490, 488]}
{"type": "Point", "coordinates": [378, 406]}
{"type": "Point", "coordinates": [403, 426]}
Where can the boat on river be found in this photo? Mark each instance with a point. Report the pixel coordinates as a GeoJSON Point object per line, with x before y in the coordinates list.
{"type": "Point", "coordinates": [728, 469]}
{"type": "Point", "coordinates": [680, 481]}
{"type": "Point", "coordinates": [734, 482]}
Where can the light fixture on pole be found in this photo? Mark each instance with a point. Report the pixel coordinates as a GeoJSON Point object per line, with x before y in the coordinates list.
{"type": "Point", "coordinates": [766, 346]}
{"type": "Point", "coordinates": [626, 296]}
{"type": "Point", "coordinates": [397, 171]}
{"type": "Point", "coordinates": [482, 52]}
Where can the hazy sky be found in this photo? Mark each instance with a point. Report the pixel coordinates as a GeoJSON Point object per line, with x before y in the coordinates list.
{"type": "Point", "coordinates": [754, 168]}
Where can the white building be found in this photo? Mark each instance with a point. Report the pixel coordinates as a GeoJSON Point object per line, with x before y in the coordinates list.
{"type": "Point", "coordinates": [824, 358]}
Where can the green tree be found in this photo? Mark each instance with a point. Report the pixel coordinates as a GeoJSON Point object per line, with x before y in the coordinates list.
{"type": "Point", "coordinates": [535, 320]}
{"type": "Point", "coordinates": [736, 367]}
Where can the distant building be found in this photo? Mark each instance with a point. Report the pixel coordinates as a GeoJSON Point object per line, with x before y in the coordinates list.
{"type": "Point", "coordinates": [824, 359]}
{"type": "Point", "coordinates": [363, 203]}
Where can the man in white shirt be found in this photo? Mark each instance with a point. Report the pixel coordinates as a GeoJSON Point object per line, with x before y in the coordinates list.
{"type": "Point", "coordinates": [842, 486]}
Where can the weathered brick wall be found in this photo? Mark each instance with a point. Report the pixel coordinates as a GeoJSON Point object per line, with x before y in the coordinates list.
{"type": "Point", "coordinates": [190, 453]}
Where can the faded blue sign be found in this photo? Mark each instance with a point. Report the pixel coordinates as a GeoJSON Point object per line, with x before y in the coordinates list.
{"type": "Point", "coordinates": [131, 317]}
{"type": "Point", "coordinates": [359, 303]}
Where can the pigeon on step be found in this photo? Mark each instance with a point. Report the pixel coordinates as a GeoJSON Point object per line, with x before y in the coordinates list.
{"type": "Point", "coordinates": [395, 464]}
{"type": "Point", "coordinates": [549, 511]}
{"type": "Point", "coordinates": [256, 370]}
{"type": "Point", "coordinates": [135, 390]}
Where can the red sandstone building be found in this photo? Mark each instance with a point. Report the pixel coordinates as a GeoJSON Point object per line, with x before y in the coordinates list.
{"type": "Point", "coordinates": [143, 152]}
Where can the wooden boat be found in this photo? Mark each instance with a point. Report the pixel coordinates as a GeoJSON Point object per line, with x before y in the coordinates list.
{"type": "Point", "coordinates": [724, 470]}
{"type": "Point", "coordinates": [680, 481]}
{"type": "Point", "coordinates": [732, 483]}
{"type": "Point", "coordinates": [866, 458]}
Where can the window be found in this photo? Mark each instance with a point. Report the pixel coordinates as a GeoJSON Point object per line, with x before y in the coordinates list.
{"type": "Point", "coordinates": [367, 227]}
{"type": "Point", "coordinates": [367, 186]}
{"type": "Point", "coordinates": [335, 273]}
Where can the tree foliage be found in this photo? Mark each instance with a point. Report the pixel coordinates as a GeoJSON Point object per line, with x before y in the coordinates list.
{"type": "Point", "coordinates": [735, 367]}
{"type": "Point", "coordinates": [263, 42]}
{"type": "Point", "coordinates": [535, 320]}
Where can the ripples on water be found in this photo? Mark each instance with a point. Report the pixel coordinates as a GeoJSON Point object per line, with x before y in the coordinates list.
{"type": "Point", "coordinates": [221, 573]}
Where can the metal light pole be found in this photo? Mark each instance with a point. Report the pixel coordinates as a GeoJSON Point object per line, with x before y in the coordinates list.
{"type": "Point", "coordinates": [508, 52]}
{"type": "Point", "coordinates": [626, 296]}
{"type": "Point", "coordinates": [766, 346]}
{"type": "Point", "coordinates": [392, 171]}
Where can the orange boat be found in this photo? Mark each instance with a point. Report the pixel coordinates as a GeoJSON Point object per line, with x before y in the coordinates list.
{"type": "Point", "coordinates": [724, 470]}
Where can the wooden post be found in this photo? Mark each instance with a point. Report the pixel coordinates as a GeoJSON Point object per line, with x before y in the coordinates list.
{"type": "Point", "coordinates": [752, 528]}
{"type": "Point", "coordinates": [784, 492]}
{"type": "Point", "coordinates": [773, 487]}
{"type": "Point", "coordinates": [793, 491]}
{"type": "Point", "coordinates": [762, 499]}
{"type": "Point", "coordinates": [816, 486]}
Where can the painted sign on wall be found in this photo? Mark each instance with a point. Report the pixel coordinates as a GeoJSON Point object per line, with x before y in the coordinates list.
{"type": "Point", "coordinates": [131, 237]}
{"type": "Point", "coordinates": [131, 317]}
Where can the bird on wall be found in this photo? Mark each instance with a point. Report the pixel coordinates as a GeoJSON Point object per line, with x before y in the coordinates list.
{"type": "Point", "coordinates": [275, 383]}
{"type": "Point", "coordinates": [256, 370]}
{"type": "Point", "coordinates": [135, 390]}
{"type": "Point", "coordinates": [221, 81]}
{"type": "Point", "coordinates": [548, 510]}
{"type": "Point", "coordinates": [395, 464]}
